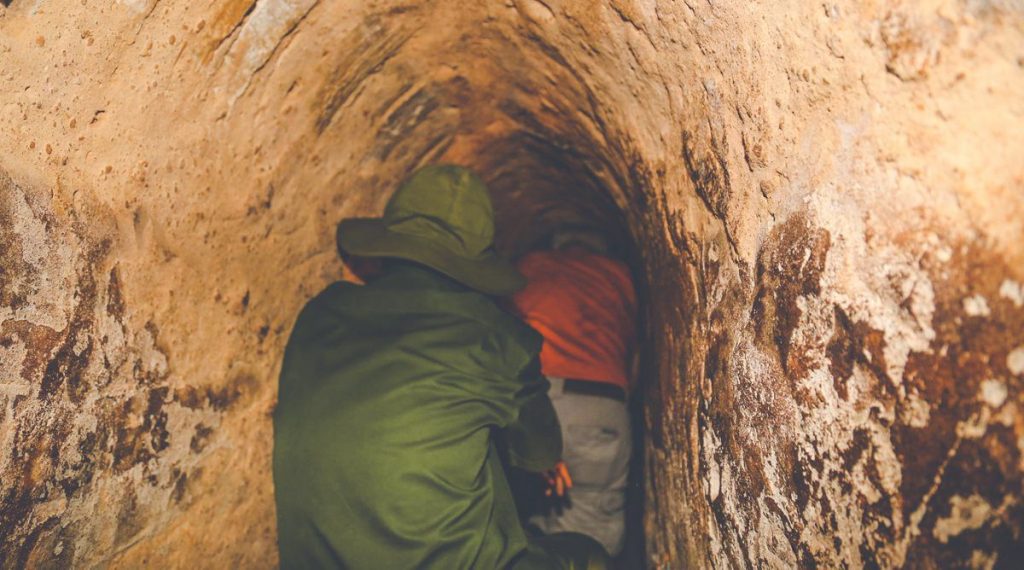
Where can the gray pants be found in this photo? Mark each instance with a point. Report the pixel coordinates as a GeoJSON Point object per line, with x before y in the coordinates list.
{"type": "Point", "coordinates": [596, 447]}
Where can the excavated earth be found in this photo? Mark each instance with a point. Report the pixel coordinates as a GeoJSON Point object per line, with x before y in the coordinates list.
{"type": "Point", "coordinates": [823, 204]}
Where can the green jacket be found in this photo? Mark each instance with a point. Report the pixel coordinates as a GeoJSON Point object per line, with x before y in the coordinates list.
{"type": "Point", "coordinates": [392, 398]}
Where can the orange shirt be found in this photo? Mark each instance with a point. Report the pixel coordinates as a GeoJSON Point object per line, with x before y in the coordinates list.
{"type": "Point", "coordinates": [584, 306]}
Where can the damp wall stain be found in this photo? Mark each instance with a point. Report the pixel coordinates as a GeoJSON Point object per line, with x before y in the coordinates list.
{"type": "Point", "coordinates": [838, 437]}
{"type": "Point", "coordinates": [88, 409]}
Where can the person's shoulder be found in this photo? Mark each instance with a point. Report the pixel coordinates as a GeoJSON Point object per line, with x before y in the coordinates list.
{"type": "Point", "coordinates": [315, 315]}
{"type": "Point", "coordinates": [332, 295]}
{"type": "Point", "coordinates": [334, 292]}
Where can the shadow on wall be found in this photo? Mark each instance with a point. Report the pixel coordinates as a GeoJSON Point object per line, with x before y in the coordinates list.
{"type": "Point", "coordinates": [539, 186]}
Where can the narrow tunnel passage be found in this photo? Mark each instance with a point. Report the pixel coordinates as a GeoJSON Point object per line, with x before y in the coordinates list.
{"type": "Point", "coordinates": [539, 188]}
{"type": "Point", "coordinates": [820, 204]}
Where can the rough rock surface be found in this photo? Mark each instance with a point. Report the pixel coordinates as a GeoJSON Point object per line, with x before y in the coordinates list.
{"type": "Point", "coordinates": [826, 201]}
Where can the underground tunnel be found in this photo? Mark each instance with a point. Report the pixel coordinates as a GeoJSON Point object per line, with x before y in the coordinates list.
{"type": "Point", "coordinates": [822, 205]}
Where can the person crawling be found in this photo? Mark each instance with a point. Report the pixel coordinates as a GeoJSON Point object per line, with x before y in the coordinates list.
{"type": "Point", "coordinates": [580, 297]}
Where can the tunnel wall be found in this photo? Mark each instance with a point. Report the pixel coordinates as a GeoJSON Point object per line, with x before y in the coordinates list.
{"type": "Point", "coordinates": [826, 202]}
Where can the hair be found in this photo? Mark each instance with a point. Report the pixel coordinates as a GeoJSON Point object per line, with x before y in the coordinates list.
{"type": "Point", "coordinates": [591, 239]}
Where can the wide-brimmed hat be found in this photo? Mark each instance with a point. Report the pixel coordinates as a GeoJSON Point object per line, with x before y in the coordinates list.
{"type": "Point", "coordinates": [442, 217]}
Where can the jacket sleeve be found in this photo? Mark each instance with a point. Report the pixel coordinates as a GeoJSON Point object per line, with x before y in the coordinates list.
{"type": "Point", "coordinates": [534, 437]}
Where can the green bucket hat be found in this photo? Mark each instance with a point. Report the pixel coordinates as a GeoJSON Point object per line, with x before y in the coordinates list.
{"type": "Point", "coordinates": [442, 217]}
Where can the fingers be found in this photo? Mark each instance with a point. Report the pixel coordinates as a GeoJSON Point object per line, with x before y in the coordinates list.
{"type": "Point", "coordinates": [558, 480]}
{"type": "Point", "coordinates": [563, 470]}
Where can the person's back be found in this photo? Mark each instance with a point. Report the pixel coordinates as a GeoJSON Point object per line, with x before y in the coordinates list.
{"type": "Point", "coordinates": [584, 305]}
{"type": "Point", "coordinates": [389, 393]}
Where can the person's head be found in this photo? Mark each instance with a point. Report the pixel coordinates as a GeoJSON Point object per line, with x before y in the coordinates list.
{"type": "Point", "coordinates": [580, 237]}
{"type": "Point", "coordinates": [440, 217]}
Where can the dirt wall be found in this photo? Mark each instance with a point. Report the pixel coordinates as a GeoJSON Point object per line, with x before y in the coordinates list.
{"type": "Point", "coordinates": [827, 203]}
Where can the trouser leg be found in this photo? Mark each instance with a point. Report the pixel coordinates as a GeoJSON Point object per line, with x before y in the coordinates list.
{"type": "Point", "coordinates": [596, 448]}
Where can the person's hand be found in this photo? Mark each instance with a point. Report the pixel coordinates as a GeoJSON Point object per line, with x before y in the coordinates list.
{"type": "Point", "coordinates": [558, 480]}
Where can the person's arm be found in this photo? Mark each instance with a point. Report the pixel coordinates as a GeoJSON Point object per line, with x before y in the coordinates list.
{"type": "Point", "coordinates": [534, 438]}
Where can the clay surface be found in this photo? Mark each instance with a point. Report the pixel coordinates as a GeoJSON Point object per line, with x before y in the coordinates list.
{"type": "Point", "coordinates": [826, 202]}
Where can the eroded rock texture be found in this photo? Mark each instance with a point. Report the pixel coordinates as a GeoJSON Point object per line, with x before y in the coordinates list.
{"type": "Point", "coordinates": [826, 202]}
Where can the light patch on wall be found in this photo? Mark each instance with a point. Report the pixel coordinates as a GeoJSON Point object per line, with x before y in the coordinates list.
{"type": "Point", "coordinates": [1012, 291]}
{"type": "Point", "coordinates": [876, 283]}
{"type": "Point", "coordinates": [917, 411]}
{"type": "Point", "coordinates": [43, 263]}
{"type": "Point", "coordinates": [137, 6]}
{"type": "Point", "coordinates": [261, 35]}
{"type": "Point", "coordinates": [11, 359]}
{"type": "Point", "coordinates": [981, 560]}
{"type": "Point", "coordinates": [976, 306]}
{"type": "Point", "coordinates": [1015, 360]}
{"type": "Point", "coordinates": [713, 478]}
{"type": "Point", "coordinates": [966, 514]}
{"type": "Point", "coordinates": [993, 393]}
{"type": "Point", "coordinates": [975, 425]}
{"type": "Point", "coordinates": [773, 547]}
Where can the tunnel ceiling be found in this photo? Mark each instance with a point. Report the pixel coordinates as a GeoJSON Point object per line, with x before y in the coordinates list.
{"type": "Point", "coordinates": [825, 200]}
